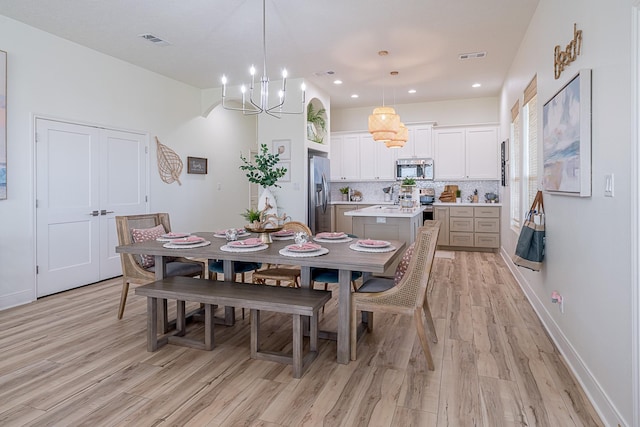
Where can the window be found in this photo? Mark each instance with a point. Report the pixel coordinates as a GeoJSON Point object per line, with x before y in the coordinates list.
{"type": "Point", "coordinates": [514, 166]}
{"type": "Point", "coordinates": [530, 144]}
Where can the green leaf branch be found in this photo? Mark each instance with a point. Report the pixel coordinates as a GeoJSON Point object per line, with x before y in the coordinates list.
{"type": "Point", "coordinates": [263, 171]}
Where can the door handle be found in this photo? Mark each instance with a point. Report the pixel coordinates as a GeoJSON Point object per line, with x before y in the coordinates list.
{"type": "Point", "coordinates": [104, 212]}
{"type": "Point", "coordinates": [94, 213]}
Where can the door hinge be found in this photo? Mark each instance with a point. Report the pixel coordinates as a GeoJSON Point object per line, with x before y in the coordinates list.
{"type": "Point", "coordinates": [146, 150]}
{"type": "Point", "coordinates": [37, 204]}
{"type": "Point", "coordinates": [36, 137]}
{"type": "Point", "coordinates": [37, 269]}
{"type": "Point", "coordinates": [146, 199]}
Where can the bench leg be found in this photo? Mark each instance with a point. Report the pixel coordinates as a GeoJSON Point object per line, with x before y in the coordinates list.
{"type": "Point", "coordinates": [208, 327]}
{"type": "Point", "coordinates": [313, 332]}
{"type": "Point", "coordinates": [297, 343]}
{"type": "Point", "coordinates": [152, 323]}
{"type": "Point", "coordinates": [255, 333]}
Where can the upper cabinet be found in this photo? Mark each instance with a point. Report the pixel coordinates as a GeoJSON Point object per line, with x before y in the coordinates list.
{"type": "Point", "coordinates": [345, 149]}
{"type": "Point", "coordinates": [376, 160]}
{"type": "Point", "coordinates": [420, 143]}
{"type": "Point", "coordinates": [466, 153]}
{"type": "Point", "coordinates": [357, 157]}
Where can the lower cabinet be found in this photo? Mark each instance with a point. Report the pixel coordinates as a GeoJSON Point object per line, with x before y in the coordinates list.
{"type": "Point", "coordinates": [342, 222]}
{"type": "Point", "coordinates": [469, 226]}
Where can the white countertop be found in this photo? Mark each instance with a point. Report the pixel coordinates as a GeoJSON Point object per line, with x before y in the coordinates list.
{"type": "Point", "coordinates": [383, 210]}
{"type": "Point", "coordinates": [370, 202]}
{"type": "Point", "coordinates": [437, 203]}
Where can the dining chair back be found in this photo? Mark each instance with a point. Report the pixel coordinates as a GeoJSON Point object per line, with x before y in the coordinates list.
{"type": "Point", "coordinates": [287, 274]}
{"type": "Point", "coordinates": [408, 296]}
{"type": "Point", "coordinates": [132, 270]}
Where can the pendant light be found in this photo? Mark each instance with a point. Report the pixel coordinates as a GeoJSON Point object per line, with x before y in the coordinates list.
{"type": "Point", "coordinates": [384, 123]}
{"type": "Point", "coordinates": [399, 139]}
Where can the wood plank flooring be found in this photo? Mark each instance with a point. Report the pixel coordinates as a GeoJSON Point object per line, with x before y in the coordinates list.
{"type": "Point", "coordinates": [66, 360]}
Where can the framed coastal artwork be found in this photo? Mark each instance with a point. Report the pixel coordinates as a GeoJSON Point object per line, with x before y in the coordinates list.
{"type": "Point", "coordinates": [3, 125]}
{"type": "Point", "coordinates": [566, 132]}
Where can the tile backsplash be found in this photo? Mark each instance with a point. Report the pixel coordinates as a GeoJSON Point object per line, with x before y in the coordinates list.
{"type": "Point", "coordinates": [372, 190]}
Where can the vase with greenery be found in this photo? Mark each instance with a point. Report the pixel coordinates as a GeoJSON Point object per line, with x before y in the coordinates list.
{"type": "Point", "coordinates": [264, 172]}
{"type": "Point", "coordinates": [316, 124]}
{"type": "Point", "coordinates": [251, 215]}
{"type": "Point", "coordinates": [345, 193]}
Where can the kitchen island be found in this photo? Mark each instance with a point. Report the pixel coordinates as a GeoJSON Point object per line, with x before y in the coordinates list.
{"type": "Point", "coordinates": [387, 222]}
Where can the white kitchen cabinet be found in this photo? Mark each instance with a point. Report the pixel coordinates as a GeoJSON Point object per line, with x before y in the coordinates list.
{"type": "Point", "coordinates": [466, 153]}
{"type": "Point", "coordinates": [376, 160]}
{"type": "Point", "coordinates": [344, 155]}
{"type": "Point", "coordinates": [420, 143]}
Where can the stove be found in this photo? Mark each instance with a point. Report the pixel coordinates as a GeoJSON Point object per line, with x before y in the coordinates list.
{"type": "Point", "coordinates": [427, 196]}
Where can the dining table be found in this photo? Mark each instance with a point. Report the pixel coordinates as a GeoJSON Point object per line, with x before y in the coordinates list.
{"type": "Point", "coordinates": [340, 255]}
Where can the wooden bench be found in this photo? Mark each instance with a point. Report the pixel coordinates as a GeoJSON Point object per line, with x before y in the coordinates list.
{"type": "Point", "coordinates": [297, 302]}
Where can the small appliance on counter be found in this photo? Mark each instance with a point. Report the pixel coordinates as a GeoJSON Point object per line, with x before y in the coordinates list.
{"type": "Point", "coordinates": [427, 197]}
{"type": "Point", "coordinates": [387, 194]}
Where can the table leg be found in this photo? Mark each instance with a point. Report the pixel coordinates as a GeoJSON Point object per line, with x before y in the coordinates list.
{"type": "Point", "coordinates": [344, 316]}
{"type": "Point", "coordinates": [305, 277]}
{"type": "Point", "coordinates": [229, 276]}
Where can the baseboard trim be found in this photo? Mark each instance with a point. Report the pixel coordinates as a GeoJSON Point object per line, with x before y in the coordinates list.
{"type": "Point", "coordinates": [596, 395]}
{"type": "Point", "coordinates": [16, 299]}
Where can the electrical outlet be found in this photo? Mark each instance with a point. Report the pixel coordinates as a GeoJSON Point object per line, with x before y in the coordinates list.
{"type": "Point", "coordinates": [608, 185]}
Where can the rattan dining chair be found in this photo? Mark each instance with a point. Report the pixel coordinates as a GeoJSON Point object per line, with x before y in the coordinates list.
{"type": "Point", "coordinates": [132, 270]}
{"type": "Point", "coordinates": [408, 297]}
{"type": "Point", "coordinates": [283, 274]}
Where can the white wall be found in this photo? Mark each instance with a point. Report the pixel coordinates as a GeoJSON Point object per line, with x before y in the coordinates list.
{"type": "Point", "coordinates": [588, 247]}
{"type": "Point", "coordinates": [453, 112]}
{"type": "Point", "coordinates": [52, 77]}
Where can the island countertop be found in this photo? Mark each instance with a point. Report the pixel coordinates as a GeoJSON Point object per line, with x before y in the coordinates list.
{"type": "Point", "coordinates": [389, 211]}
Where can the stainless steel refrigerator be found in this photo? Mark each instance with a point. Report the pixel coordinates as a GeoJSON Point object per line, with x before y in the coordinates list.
{"type": "Point", "coordinates": [319, 195]}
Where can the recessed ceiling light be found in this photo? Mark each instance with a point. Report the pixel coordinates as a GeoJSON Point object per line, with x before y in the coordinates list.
{"type": "Point", "coordinates": [476, 85]}
{"type": "Point", "coordinates": [412, 91]}
{"type": "Point", "coordinates": [337, 82]}
{"type": "Point", "coordinates": [355, 95]}
{"type": "Point", "coordinates": [154, 39]}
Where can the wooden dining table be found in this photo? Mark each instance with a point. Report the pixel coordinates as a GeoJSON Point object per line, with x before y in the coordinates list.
{"type": "Point", "coordinates": [339, 257]}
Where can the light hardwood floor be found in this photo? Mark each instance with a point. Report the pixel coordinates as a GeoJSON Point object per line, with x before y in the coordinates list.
{"type": "Point", "coordinates": [67, 360]}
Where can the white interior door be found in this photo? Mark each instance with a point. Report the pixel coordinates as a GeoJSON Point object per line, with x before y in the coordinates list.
{"type": "Point", "coordinates": [84, 177]}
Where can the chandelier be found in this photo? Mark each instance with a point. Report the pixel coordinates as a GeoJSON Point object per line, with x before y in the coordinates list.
{"type": "Point", "coordinates": [257, 104]}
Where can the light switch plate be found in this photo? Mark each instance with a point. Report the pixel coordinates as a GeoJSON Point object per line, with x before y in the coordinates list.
{"type": "Point", "coordinates": [608, 185]}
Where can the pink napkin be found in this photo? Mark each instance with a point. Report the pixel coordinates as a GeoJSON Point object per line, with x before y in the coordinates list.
{"type": "Point", "coordinates": [190, 239]}
{"type": "Point", "coordinates": [171, 234]}
{"type": "Point", "coordinates": [369, 242]}
{"type": "Point", "coordinates": [283, 233]}
{"type": "Point", "coordinates": [304, 247]}
{"type": "Point", "coordinates": [247, 242]}
{"type": "Point", "coordinates": [330, 235]}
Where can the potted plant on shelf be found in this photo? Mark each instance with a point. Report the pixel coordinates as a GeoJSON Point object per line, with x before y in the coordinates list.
{"type": "Point", "coordinates": [345, 193]}
{"type": "Point", "coordinates": [316, 124]}
{"type": "Point", "coordinates": [458, 198]}
{"type": "Point", "coordinates": [264, 172]}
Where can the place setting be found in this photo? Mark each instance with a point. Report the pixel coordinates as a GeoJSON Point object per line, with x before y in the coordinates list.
{"type": "Point", "coordinates": [302, 247]}
{"type": "Point", "coordinates": [371, 245]}
{"type": "Point", "coordinates": [168, 237]}
{"type": "Point", "coordinates": [247, 245]}
{"type": "Point", "coordinates": [185, 242]}
{"type": "Point", "coordinates": [332, 237]}
{"type": "Point", "coordinates": [283, 235]}
{"type": "Point", "coordinates": [231, 233]}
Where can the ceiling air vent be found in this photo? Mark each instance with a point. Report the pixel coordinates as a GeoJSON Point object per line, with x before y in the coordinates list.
{"type": "Point", "coordinates": [474, 55]}
{"type": "Point", "coordinates": [154, 39]}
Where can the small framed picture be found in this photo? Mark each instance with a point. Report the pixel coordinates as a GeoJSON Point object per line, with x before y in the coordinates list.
{"type": "Point", "coordinates": [287, 176]}
{"type": "Point", "coordinates": [197, 165]}
{"type": "Point", "coordinates": [282, 147]}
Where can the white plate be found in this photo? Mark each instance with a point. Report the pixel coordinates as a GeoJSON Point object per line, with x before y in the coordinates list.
{"type": "Point", "coordinates": [283, 233]}
{"type": "Point", "coordinates": [305, 248]}
{"type": "Point", "coordinates": [175, 235]}
{"type": "Point", "coordinates": [373, 243]}
{"type": "Point", "coordinates": [331, 236]}
{"type": "Point", "coordinates": [187, 240]}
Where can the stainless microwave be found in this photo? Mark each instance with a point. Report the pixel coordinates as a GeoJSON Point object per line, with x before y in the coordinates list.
{"type": "Point", "coordinates": [414, 168]}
